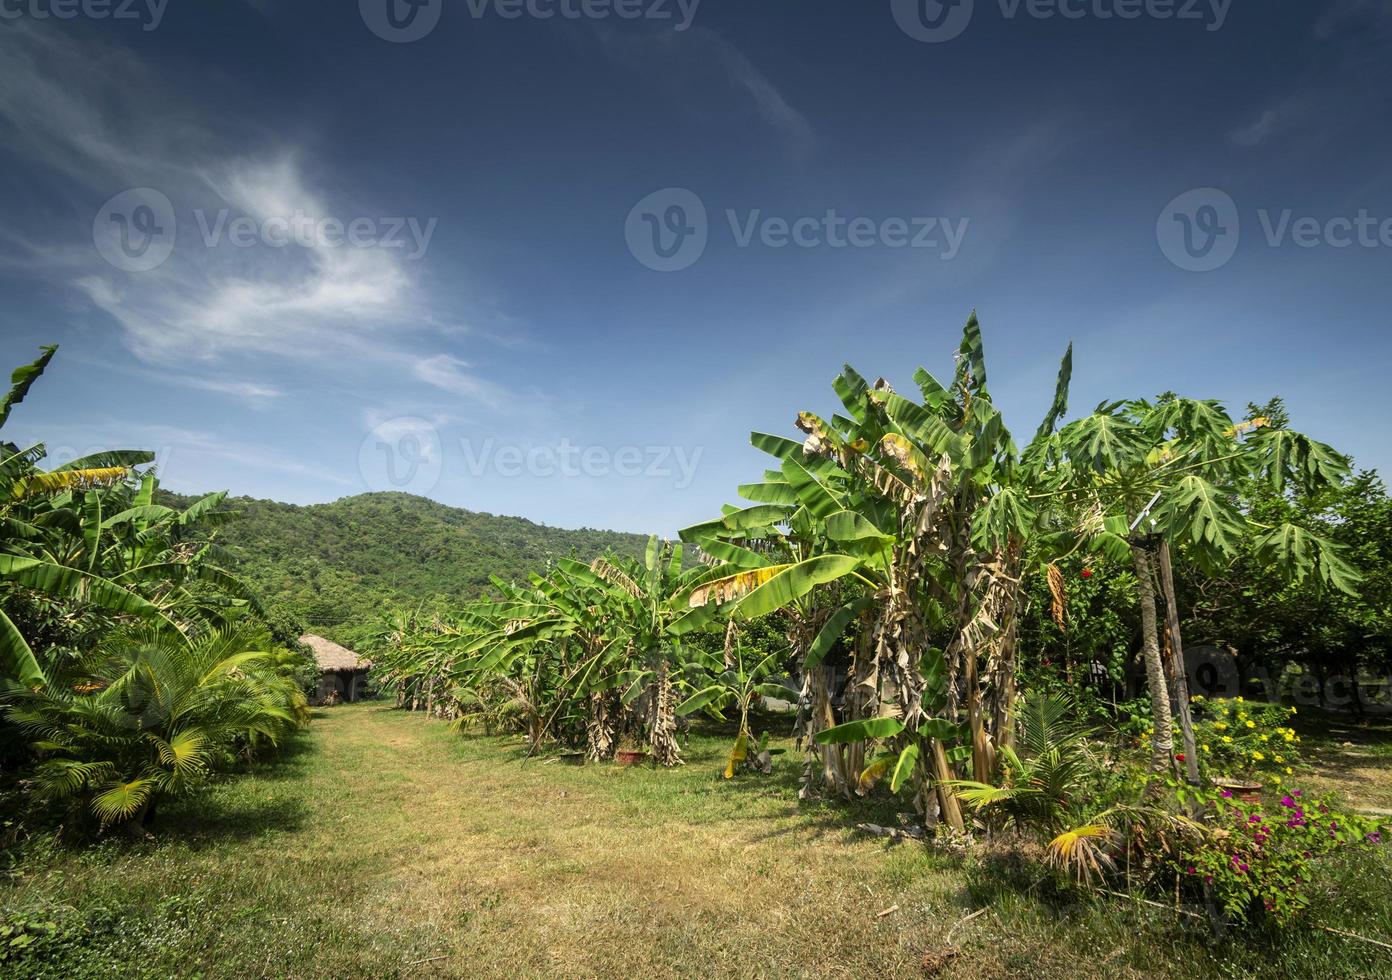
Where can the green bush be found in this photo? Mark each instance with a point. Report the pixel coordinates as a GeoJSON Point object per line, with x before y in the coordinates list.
{"type": "Point", "coordinates": [1258, 860]}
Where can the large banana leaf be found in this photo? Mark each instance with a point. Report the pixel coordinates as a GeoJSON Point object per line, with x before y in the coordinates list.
{"type": "Point", "coordinates": [1059, 408]}
{"type": "Point", "coordinates": [16, 658]}
{"type": "Point", "coordinates": [59, 580]}
{"type": "Point", "coordinates": [760, 591]}
{"type": "Point", "coordinates": [859, 731]}
{"type": "Point", "coordinates": [124, 458]}
{"type": "Point", "coordinates": [21, 379]}
{"type": "Point", "coordinates": [831, 631]}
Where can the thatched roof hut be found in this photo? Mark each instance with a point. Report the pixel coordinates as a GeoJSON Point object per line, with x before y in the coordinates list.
{"type": "Point", "coordinates": [340, 669]}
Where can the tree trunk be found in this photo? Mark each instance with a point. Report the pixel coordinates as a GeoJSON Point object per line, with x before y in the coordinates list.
{"type": "Point", "coordinates": [1177, 668]}
{"type": "Point", "coordinates": [663, 737]}
{"type": "Point", "coordinates": [816, 689]}
{"type": "Point", "coordinates": [947, 800]}
{"type": "Point", "coordinates": [1162, 739]}
{"type": "Point", "coordinates": [601, 732]}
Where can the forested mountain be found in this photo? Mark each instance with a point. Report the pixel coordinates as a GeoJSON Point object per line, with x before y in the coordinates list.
{"type": "Point", "coordinates": [336, 567]}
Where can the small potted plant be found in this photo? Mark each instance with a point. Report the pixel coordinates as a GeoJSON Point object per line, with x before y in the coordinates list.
{"type": "Point", "coordinates": [630, 752]}
{"type": "Point", "coordinates": [1243, 789]}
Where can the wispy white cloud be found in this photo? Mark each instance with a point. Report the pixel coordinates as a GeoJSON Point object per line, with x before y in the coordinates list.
{"type": "Point", "coordinates": [79, 110]}
{"type": "Point", "coordinates": [449, 373]}
{"type": "Point", "coordinates": [250, 391]}
{"type": "Point", "coordinates": [1260, 130]}
{"type": "Point", "coordinates": [690, 56]}
{"type": "Point", "coordinates": [1338, 83]}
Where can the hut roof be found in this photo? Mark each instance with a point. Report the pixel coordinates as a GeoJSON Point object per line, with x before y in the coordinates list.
{"type": "Point", "coordinates": [330, 656]}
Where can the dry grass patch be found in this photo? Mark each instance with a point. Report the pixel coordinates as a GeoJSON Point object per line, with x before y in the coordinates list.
{"type": "Point", "coordinates": [386, 846]}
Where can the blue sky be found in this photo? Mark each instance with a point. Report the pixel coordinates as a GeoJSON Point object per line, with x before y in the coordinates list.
{"type": "Point", "coordinates": [524, 358]}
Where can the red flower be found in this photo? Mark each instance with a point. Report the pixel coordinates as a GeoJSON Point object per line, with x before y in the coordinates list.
{"type": "Point", "coordinates": [1179, 757]}
{"type": "Point", "coordinates": [1087, 573]}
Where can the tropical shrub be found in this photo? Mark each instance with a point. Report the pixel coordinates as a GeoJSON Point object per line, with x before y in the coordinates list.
{"type": "Point", "coordinates": [1258, 860]}
{"type": "Point", "coordinates": [1238, 737]}
{"type": "Point", "coordinates": [1045, 785]}
{"type": "Point", "coordinates": [132, 664]}
{"type": "Point", "coordinates": [156, 716]}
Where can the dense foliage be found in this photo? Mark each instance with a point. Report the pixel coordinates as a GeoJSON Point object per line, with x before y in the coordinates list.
{"type": "Point", "coordinates": [898, 546]}
{"type": "Point", "coordinates": [334, 568]}
{"type": "Point", "coordinates": [132, 663]}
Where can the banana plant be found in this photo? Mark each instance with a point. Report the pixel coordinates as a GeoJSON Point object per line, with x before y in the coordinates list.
{"type": "Point", "coordinates": [919, 514]}
{"type": "Point", "coordinates": [82, 534]}
{"type": "Point", "coordinates": [719, 684]}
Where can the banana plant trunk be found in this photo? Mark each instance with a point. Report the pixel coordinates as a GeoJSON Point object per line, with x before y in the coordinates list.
{"type": "Point", "coordinates": [602, 730]}
{"type": "Point", "coordinates": [663, 737]}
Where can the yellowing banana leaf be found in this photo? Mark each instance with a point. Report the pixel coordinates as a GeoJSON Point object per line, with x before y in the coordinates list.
{"type": "Point", "coordinates": [872, 774]}
{"type": "Point", "coordinates": [738, 753]}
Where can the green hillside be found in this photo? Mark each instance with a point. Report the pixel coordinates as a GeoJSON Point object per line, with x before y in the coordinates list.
{"type": "Point", "coordinates": [336, 567]}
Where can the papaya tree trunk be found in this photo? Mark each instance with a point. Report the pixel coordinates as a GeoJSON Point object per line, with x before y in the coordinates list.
{"type": "Point", "coordinates": [1162, 739]}
{"type": "Point", "coordinates": [1178, 673]}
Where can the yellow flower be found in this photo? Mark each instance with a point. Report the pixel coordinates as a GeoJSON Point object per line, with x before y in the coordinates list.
{"type": "Point", "coordinates": [1239, 700]}
{"type": "Point", "coordinates": [1279, 759]}
{"type": "Point", "coordinates": [1251, 724]}
{"type": "Point", "coordinates": [1206, 748]}
{"type": "Point", "coordinates": [1258, 756]}
{"type": "Point", "coordinates": [1290, 737]}
{"type": "Point", "coordinates": [1289, 770]}
{"type": "Point", "coordinates": [1221, 725]}
{"type": "Point", "coordinates": [1227, 739]}
{"type": "Point", "coordinates": [1265, 737]}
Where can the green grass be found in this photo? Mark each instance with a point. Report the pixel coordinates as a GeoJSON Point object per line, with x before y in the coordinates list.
{"type": "Point", "coordinates": [383, 846]}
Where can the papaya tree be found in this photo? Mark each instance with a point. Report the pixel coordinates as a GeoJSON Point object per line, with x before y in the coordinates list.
{"type": "Point", "coordinates": [1152, 478]}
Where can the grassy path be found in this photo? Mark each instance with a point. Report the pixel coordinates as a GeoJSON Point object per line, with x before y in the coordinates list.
{"type": "Point", "coordinates": [385, 846]}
